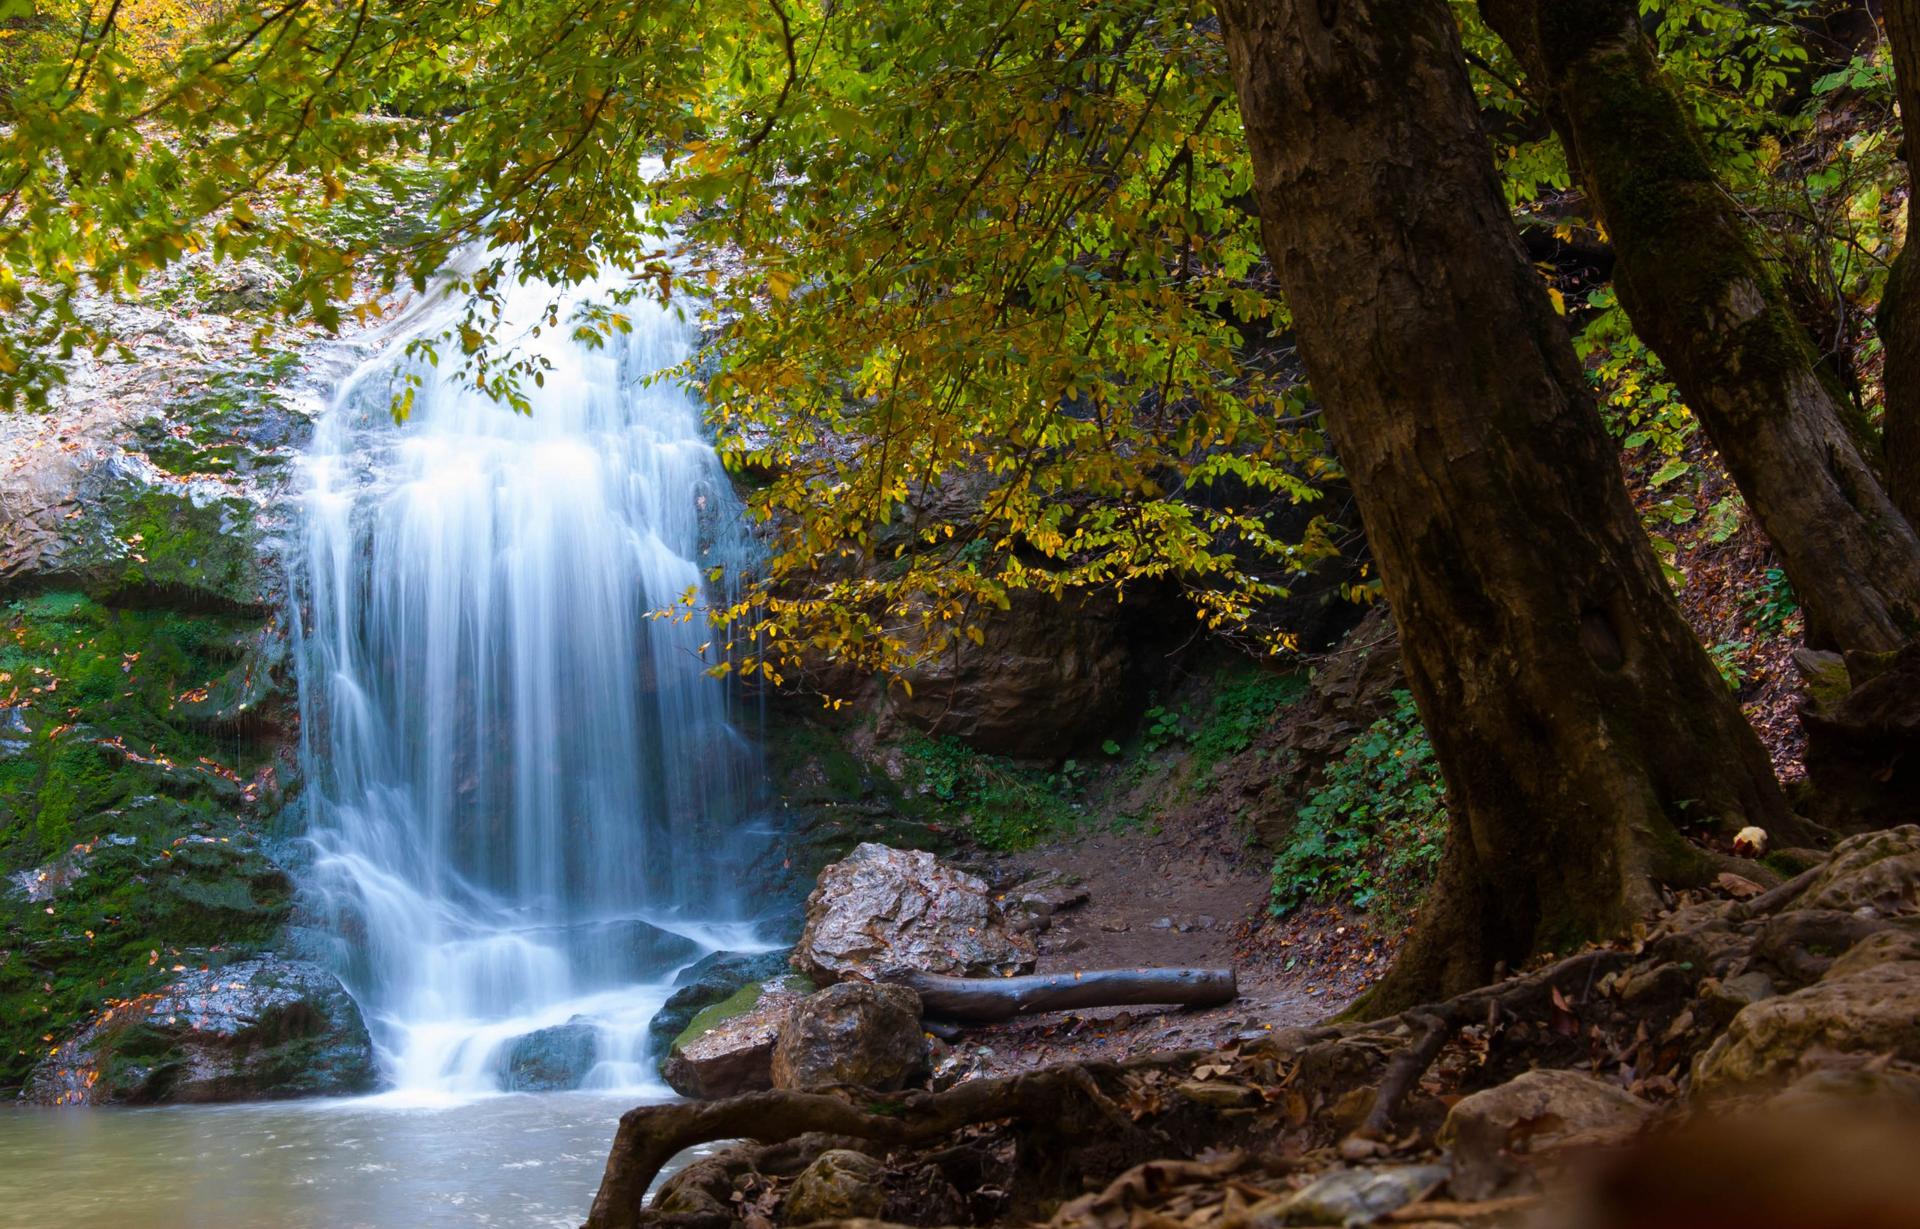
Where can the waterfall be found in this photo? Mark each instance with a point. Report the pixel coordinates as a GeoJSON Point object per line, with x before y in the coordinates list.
{"type": "Point", "coordinates": [527, 798]}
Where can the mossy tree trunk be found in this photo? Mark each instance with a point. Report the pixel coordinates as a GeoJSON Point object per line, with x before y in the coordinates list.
{"type": "Point", "coordinates": [1577, 720]}
{"type": "Point", "coordinates": [1900, 308]}
{"type": "Point", "coordinates": [1700, 295]}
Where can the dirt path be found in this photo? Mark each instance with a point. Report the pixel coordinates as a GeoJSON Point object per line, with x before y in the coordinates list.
{"type": "Point", "coordinates": [1195, 896]}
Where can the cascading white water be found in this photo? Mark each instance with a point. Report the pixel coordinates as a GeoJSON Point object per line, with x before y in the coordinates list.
{"type": "Point", "coordinates": [527, 796]}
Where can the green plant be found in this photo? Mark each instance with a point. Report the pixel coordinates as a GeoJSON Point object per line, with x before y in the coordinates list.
{"type": "Point", "coordinates": [1000, 804]}
{"type": "Point", "coordinates": [1241, 710]}
{"type": "Point", "coordinates": [1773, 603]}
{"type": "Point", "coordinates": [1371, 835]}
{"type": "Point", "coordinates": [1164, 727]}
{"type": "Point", "coordinates": [1726, 659]}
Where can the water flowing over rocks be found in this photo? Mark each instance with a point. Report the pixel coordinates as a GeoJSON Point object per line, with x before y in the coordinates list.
{"type": "Point", "coordinates": [884, 908]}
{"type": "Point", "coordinates": [551, 1059]}
{"type": "Point", "coordinates": [257, 1030]}
{"type": "Point", "coordinates": [852, 1035]}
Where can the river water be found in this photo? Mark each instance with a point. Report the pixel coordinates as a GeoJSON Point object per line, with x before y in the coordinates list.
{"type": "Point", "coordinates": [525, 1161]}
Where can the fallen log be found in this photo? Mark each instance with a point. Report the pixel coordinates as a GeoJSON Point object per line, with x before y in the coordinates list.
{"type": "Point", "coordinates": [984, 1000]}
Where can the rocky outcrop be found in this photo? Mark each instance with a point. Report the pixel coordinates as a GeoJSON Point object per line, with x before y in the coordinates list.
{"type": "Point", "coordinates": [1049, 674]}
{"type": "Point", "coordinates": [852, 1035]}
{"type": "Point", "coordinates": [551, 1059]}
{"type": "Point", "coordinates": [1851, 932]}
{"type": "Point", "coordinates": [257, 1030]}
{"type": "Point", "coordinates": [727, 1048]}
{"type": "Point", "coordinates": [1352, 687]}
{"type": "Point", "coordinates": [884, 908]}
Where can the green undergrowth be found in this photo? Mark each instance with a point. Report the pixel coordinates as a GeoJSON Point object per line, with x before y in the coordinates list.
{"type": "Point", "coordinates": [1371, 835]}
{"type": "Point", "coordinates": [1001, 805]}
{"type": "Point", "coordinates": [124, 842]}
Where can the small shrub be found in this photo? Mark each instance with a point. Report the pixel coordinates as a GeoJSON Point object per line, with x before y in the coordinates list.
{"type": "Point", "coordinates": [1372, 835]}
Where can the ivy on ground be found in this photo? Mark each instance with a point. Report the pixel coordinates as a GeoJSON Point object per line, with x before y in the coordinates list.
{"type": "Point", "coordinates": [1371, 835]}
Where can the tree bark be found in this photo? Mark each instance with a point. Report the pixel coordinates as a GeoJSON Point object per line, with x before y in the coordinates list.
{"type": "Point", "coordinates": [1899, 319]}
{"type": "Point", "coordinates": [1702, 298]}
{"type": "Point", "coordinates": [1577, 721]}
{"type": "Point", "coordinates": [987, 999]}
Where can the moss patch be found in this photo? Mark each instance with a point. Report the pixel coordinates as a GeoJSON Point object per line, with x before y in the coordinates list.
{"type": "Point", "coordinates": [126, 824]}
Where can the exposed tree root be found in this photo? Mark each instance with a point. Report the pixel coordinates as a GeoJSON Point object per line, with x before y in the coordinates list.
{"type": "Point", "coordinates": [1209, 1138]}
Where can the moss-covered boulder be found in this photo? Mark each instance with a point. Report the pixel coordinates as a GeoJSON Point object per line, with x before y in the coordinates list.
{"type": "Point", "coordinates": [256, 1030]}
{"type": "Point", "coordinates": [728, 1048]}
{"type": "Point", "coordinates": [131, 813]}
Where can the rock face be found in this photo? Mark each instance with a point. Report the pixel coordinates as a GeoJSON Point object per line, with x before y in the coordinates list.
{"type": "Point", "coordinates": [553, 1059]}
{"type": "Point", "coordinates": [1351, 689]}
{"type": "Point", "coordinates": [840, 1184]}
{"type": "Point", "coordinates": [714, 979]}
{"type": "Point", "coordinates": [852, 1035]}
{"type": "Point", "coordinates": [1049, 674]}
{"type": "Point", "coordinates": [257, 1030]}
{"type": "Point", "coordinates": [884, 908]}
{"type": "Point", "coordinates": [728, 1047]}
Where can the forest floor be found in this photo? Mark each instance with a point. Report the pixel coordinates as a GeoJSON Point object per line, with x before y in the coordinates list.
{"type": "Point", "coordinates": [1195, 895]}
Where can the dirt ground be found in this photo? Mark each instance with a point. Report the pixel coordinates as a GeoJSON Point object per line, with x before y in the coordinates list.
{"type": "Point", "coordinates": [1192, 896]}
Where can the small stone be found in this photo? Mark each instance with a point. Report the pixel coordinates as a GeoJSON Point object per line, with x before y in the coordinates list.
{"type": "Point", "coordinates": [1537, 1112]}
{"type": "Point", "coordinates": [840, 1185]}
{"type": "Point", "coordinates": [1217, 1094]}
{"type": "Point", "coordinates": [1163, 923]}
{"type": "Point", "coordinates": [1358, 1196]}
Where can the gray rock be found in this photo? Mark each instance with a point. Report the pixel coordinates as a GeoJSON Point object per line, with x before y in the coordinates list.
{"type": "Point", "coordinates": [852, 1034]}
{"type": "Point", "coordinates": [1359, 1196]}
{"type": "Point", "coordinates": [882, 908]}
{"type": "Point", "coordinates": [728, 1047]}
{"type": "Point", "coordinates": [257, 1030]}
{"type": "Point", "coordinates": [552, 1059]}
{"type": "Point", "coordinates": [839, 1185]}
{"type": "Point", "coordinates": [714, 979]}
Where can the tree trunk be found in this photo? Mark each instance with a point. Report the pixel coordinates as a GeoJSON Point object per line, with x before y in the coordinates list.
{"type": "Point", "coordinates": [1577, 721]}
{"type": "Point", "coordinates": [986, 999]}
{"type": "Point", "coordinates": [1699, 294]}
{"type": "Point", "coordinates": [1900, 307]}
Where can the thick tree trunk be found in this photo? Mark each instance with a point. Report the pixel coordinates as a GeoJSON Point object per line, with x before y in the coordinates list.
{"type": "Point", "coordinates": [1900, 307]}
{"type": "Point", "coordinates": [1577, 720]}
{"type": "Point", "coordinates": [1700, 295]}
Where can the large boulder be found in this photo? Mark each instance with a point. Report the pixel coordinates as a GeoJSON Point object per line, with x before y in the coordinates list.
{"type": "Point", "coordinates": [728, 1048]}
{"type": "Point", "coordinates": [256, 1030]}
{"type": "Point", "coordinates": [551, 1059]}
{"type": "Point", "coordinates": [1536, 1112]}
{"type": "Point", "coordinates": [714, 979]}
{"type": "Point", "coordinates": [881, 909]}
{"type": "Point", "coordinates": [852, 1035]}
